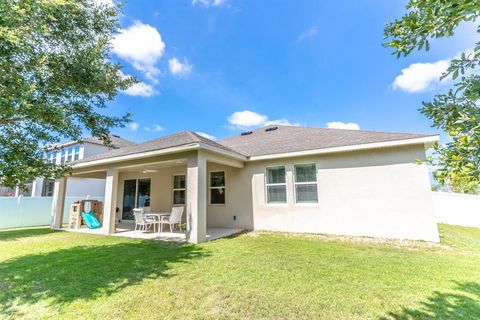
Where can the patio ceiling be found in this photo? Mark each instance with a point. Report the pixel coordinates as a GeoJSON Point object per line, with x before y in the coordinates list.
{"type": "Point", "coordinates": [153, 167]}
{"type": "Point", "coordinates": [92, 175]}
{"type": "Point", "coordinates": [149, 167]}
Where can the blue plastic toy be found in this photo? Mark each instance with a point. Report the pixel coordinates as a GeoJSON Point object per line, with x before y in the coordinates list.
{"type": "Point", "coordinates": [91, 221]}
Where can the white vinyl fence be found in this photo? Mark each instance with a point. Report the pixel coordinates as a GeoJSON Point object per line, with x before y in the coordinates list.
{"type": "Point", "coordinates": [458, 209]}
{"type": "Point", "coordinates": [31, 211]}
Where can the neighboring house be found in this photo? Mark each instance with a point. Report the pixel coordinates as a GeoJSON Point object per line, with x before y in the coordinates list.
{"type": "Point", "coordinates": [65, 153]}
{"type": "Point", "coordinates": [285, 178]}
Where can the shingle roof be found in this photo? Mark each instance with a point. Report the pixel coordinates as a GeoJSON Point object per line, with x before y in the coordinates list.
{"type": "Point", "coordinates": [173, 140]}
{"type": "Point", "coordinates": [261, 142]}
{"type": "Point", "coordinates": [290, 139]}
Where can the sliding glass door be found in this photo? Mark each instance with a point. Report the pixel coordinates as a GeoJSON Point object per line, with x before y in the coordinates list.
{"type": "Point", "coordinates": [136, 194]}
{"type": "Point", "coordinates": [143, 193]}
{"type": "Point", "coordinates": [129, 192]}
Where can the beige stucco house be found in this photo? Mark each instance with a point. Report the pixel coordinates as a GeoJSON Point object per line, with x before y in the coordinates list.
{"type": "Point", "coordinates": [280, 178]}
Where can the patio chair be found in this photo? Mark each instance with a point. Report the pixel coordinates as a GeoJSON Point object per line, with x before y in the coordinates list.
{"type": "Point", "coordinates": [174, 218]}
{"type": "Point", "coordinates": [142, 221]}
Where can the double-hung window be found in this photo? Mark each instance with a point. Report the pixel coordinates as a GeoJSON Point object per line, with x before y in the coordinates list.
{"type": "Point", "coordinates": [52, 156]}
{"type": "Point", "coordinates": [76, 153]}
{"type": "Point", "coordinates": [179, 189]}
{"type": "Point", "coordinates": [217, 187]}
{"type": "Point", "coordinates": [48, 187]}
{"type": "Point", "coordinates": [64, 157]}
{"type": "Point", "coordinates": [306, 190]}
{"type": "Point", "coordinates": [70, 154]}
{"type": "Point", "coordinates": [276, 185]}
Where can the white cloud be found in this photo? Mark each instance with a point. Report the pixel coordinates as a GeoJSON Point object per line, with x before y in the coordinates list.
{"type": "Point", "coordinates": [208, 3]}
{"type": "Point", "coordinates": [158, 128]}
{"type": "Point", "coordinates": [178, 68]}
{"type": "Point", "coordinates": [248, 119]}
{"type": "Point", "coordinates": [141, 89]}
{"type": "Point", "coordinates": [133, 126]}
{"type": "Point", "coordinates": [155, 128]}
{"type": "Point", "coordinates": [142, 46]}
{"type": "Point", "coordinates": [310, 33]}
{"type": "Point", "coordinates": [343, 125]}
{"type": "Point", "coordinates": [206, 135]}
{"type": "Point", "coordinates": [419, 77]}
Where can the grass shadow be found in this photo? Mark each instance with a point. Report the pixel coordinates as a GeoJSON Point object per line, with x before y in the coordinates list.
{"type": "Point", "coordinates": [86, 272]}
{"type": "Point", "coordinates": [235, 235]}
{"type": "Point", "coordinates": [16, 234]}
{"type": "Point", "coordinates": [463, 303]}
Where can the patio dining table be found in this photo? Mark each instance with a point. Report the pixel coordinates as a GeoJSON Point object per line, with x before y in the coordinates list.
{"type": "Point", "coordinates": [158, 216]}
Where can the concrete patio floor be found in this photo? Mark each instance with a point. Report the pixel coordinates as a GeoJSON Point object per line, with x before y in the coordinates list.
{"type": "Point", "coordinates": [126, 229]}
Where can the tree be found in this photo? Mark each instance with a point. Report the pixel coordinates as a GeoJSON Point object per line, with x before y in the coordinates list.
{"type": "Point", "coordinates": [457, 183]}
{"type": "Point", "coordinates": [56, 78]}
{"type": "Point", "coordinates": [456, 112]}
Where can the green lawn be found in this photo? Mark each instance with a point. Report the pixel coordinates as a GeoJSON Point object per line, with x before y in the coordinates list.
{"type": "Point", "coordinates": [60, 275]}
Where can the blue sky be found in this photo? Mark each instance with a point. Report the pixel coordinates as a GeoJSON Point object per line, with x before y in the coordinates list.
{"type": "Point", "coordinates": [223, 66]}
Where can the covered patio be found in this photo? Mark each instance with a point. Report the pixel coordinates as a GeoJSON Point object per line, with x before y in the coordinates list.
{"type": "Point", "coordinates": [159, 181]}
{"type": "Point", "coordinates": [127, 229]}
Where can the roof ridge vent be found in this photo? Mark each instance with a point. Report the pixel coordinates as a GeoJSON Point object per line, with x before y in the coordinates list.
{"type": "Point", "coordinates": [246, 133]}
{"type": "Point", "coordinates": [271, 129]}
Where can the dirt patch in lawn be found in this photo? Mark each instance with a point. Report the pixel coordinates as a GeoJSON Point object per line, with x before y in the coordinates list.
{"type": "Point", "coordinates": [409, 244]}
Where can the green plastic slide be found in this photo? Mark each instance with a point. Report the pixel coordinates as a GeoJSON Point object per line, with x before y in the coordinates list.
{"type": "Point", "coordinates": [91, 221]}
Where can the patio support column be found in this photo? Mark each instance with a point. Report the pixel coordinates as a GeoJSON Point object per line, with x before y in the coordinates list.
{"type": "Point", "coordinates": [58, 203]}
{"type": "Point", "coordinates": [110, 204]}
{"type": "Point", "coordinates": [196, 198]}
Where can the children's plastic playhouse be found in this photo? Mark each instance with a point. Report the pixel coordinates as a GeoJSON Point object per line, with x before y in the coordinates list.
{"type": "Point", "coordinates": [86, 213]}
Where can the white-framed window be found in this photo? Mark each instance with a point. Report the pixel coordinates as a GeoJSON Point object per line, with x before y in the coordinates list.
{"type": "Point", "coordinates": [276, 184]}
{"type": "Point", "coordinates": [305, 180]}
{"type": "Point", "coordinates": [179, 189]}
{"type": "Point", "coordinates": [217, 187]}
{"type": "Point", "coordinates": [52, 156]}
{"type": "Point", "coordinates": [48, 187]}
{"type": "Point", "coordinates": [64, 157]}
{"type": "Point", "coordinates": [70, 154]}
{"type": "Point", "coordinates": [76, 153]}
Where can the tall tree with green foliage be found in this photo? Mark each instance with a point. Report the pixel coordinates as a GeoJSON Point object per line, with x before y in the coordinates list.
{"type": "Point", "coordinates": [56, 79]}
{"type": "Point", "coordinates": [457, 112]}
